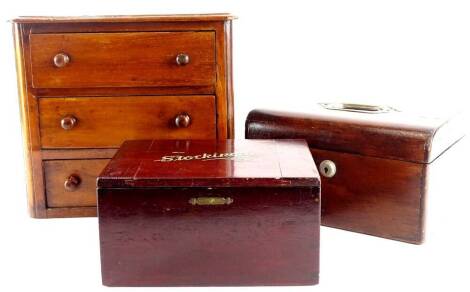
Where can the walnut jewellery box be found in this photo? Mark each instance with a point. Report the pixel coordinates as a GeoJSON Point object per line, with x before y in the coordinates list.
{"type": "Point", "coordinates": [375, 162]}
{"type": "Point", "coordinates": [86, 84]}
{"type": "Point", "coordinates": [210, 213]}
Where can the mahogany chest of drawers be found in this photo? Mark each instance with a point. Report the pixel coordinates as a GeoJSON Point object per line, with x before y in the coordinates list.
{"type": "Point", "coordinates": [210, 213]}
{"type": "Point", "coordinates": [88, 83]}
{"type": "Point", "coordinates": [375, 162]}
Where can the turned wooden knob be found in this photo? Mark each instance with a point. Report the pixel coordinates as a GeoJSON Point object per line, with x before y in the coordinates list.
{"type": "Point", "coordinates": [182, 59]}
{"type": "Point", "coordinates": [182, 120]}
{"type": "Point", "coordinates": [61, 60]}
{"type": "Point", "coordinates": [68, 122]}
{"type": "Point", "coordinates": [72, 183]}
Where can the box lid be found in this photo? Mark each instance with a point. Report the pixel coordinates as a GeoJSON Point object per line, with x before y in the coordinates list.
{"type": "Point", "coordinates": [210, 163]}
{"type": "Point", "coordinates": [360, 129]}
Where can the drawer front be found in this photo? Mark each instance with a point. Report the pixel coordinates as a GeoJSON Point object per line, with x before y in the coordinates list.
{"type": "Point", "coordinates": [375, 196]}
{"type": "Point", "coordinates": [100, 122]}
{"type": "Point", "coordinates": [74, 60]}
{"type": "Point", "coordinates": [72, 183]}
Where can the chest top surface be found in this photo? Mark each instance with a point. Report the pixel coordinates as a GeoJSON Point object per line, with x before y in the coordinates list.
{"type": "Point", "coordinates": [125, 18]}
{"type": "Point", "coordinates": [211, 163]}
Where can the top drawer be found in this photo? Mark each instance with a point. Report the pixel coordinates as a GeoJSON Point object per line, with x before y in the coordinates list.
{"type": "Point", "coordinates": [77, 60]}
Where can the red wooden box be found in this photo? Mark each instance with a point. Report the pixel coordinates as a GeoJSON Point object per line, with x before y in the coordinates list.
{"type": "Point", "coordinates": [375, 162]}
{"type": "Point", "coordinates": [209, 213]}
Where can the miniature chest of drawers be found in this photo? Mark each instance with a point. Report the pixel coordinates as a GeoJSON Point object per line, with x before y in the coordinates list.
{"type": "Point", "coordinates": [210, 213]}
{"type": "Point", "coordinates": [86, 84]}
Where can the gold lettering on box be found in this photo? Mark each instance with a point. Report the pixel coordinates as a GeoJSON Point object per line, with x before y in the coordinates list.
{"type": "Point", "coordinates": [206, 157]}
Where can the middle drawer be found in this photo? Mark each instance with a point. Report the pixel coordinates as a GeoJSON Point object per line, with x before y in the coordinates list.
{"type": "Point", "coordinates": [100, 122]}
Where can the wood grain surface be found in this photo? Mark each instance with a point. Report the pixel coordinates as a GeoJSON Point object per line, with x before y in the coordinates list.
{"type": "Point", "coordinates": [126, 18]}
{"type": "Point", "coordinates": [58, 171]}
{"type": "Point", "coordinates": [394, 135]}
{"type": "Point", "coordinates": [119, 60]}
{"type": "Point", "coordinates": [222, 163]}
{"type": "Point", "coordinates": [107, 122]}
{"type": "Point", "coordinates": [381, 197]}
{"type": "Point", "coordinates": [155, 237]}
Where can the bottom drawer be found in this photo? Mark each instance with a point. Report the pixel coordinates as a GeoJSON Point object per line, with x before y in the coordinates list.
{"type": "Point", "coordinates": [72, 183]}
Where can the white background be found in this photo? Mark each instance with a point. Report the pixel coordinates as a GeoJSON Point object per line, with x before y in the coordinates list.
{"type": "Point", "coordinates": [288, 55]}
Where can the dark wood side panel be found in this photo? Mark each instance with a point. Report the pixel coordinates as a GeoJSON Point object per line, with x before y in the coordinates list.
{"type": "Point", "coordinates": [224, 95]}
{"type": "Point", "coordinates": [30, 124]}
{"type": "Point", "coordinates": [229, 80]}
{"type": "Point", "coordinates": [374, 196]}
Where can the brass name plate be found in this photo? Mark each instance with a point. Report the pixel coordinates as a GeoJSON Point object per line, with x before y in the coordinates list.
{"type": "Point", "coordinates": [210, 201]}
